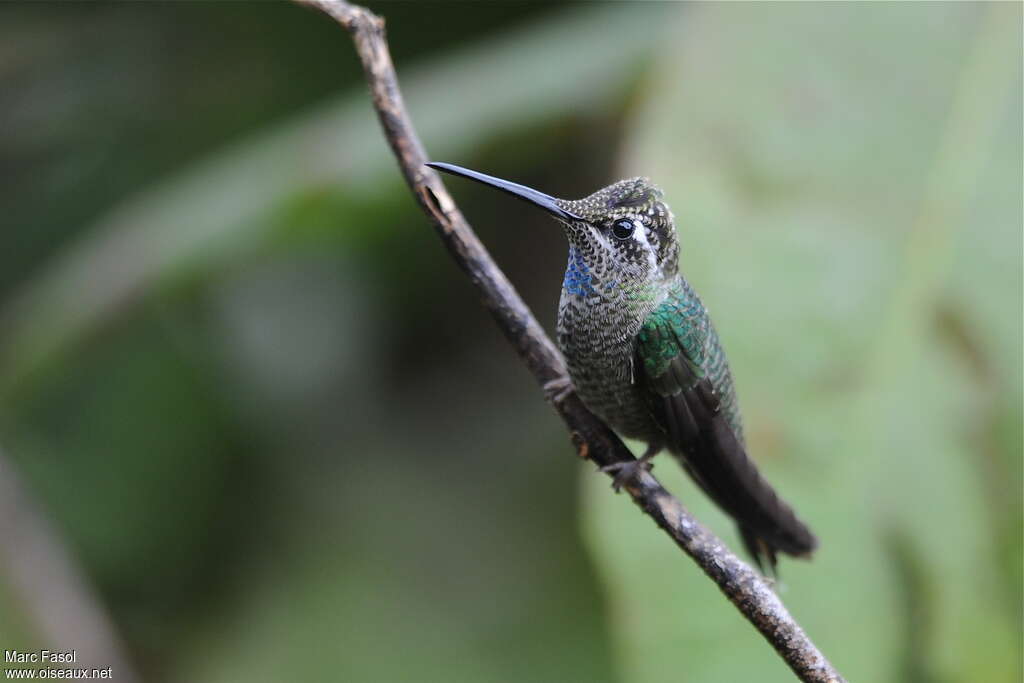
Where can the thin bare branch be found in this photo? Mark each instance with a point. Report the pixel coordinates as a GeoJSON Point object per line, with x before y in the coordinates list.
{"type": "Point", "coordinates": [593, 440]}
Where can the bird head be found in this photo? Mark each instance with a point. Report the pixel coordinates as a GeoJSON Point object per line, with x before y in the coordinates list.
{"type": "Point", "coordinates": [622, 233]}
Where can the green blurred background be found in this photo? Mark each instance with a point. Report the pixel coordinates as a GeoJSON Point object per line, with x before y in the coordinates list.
{"type": "Point", "coordinates": [285, 442]}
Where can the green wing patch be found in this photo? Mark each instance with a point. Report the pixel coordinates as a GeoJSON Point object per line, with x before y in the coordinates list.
{"type": "Point", "coordinates": [672, 344]}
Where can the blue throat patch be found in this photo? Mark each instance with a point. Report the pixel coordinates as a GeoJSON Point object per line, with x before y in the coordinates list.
{"type": "Point", "coordinates": [577, 276]}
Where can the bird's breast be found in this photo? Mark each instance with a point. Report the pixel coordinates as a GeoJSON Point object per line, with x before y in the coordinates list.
{"type": "Point", "coordinates": [597, 339]}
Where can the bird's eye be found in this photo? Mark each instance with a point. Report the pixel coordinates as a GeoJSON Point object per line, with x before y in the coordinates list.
{"type": "Point", "coordinates": [623, 228]}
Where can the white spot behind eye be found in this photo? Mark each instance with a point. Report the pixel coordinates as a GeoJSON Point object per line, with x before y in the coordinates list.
{"type": "Point", "coordinates": [640, 234]}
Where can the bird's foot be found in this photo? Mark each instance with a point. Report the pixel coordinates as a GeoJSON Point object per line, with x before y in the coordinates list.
{"type": "Point", "coordinates": [625, 472]}
{"type": "Point", "coordinates": [629, 470]}
{"type": "Point", "coordinates": [558, 389]}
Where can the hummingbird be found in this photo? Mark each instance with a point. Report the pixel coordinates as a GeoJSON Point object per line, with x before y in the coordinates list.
{"type": "Point", "coordinates": [643, 355]}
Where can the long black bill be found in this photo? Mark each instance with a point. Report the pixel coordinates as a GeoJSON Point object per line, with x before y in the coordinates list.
{"type": "Point", "coordinates": [531, 195]}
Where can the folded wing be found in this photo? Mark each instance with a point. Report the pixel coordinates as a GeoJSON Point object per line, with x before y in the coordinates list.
{"type": "Point", "coordinates": [673, 351]}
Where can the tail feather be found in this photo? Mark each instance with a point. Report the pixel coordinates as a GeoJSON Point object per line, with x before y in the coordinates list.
{"type": "Point", "coordinates": [702, 438]}
{"type": "Point", "coordinates": [761, 552]}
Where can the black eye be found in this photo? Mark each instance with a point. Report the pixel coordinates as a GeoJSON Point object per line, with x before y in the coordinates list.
{"type": "Point", "coordinates": [623, 228]}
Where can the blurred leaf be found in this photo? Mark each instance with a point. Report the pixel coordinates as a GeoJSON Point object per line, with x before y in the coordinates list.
{"type": "Point", "coordinates": [823, 161]}
{"type": "Point", "coordinates": [112, 435]}
{"type": "Point", "coordinates": [374, 600]}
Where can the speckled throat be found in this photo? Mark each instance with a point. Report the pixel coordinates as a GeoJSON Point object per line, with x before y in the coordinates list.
{"type": "Point", "coordinates": [596, 333]}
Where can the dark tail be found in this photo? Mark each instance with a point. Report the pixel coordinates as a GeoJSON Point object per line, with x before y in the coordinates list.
{"type": "Point", "coordinates": [702, 437]}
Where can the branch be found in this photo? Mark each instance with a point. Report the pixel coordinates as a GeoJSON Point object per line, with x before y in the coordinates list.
{"type": "Point", "coordinates": [55, 594]}
{"type": "Point", "coordinates": [593, 440]}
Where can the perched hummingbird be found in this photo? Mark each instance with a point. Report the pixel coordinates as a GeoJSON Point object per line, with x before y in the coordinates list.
{"type": "Point", "coordinates": [643, 355]}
